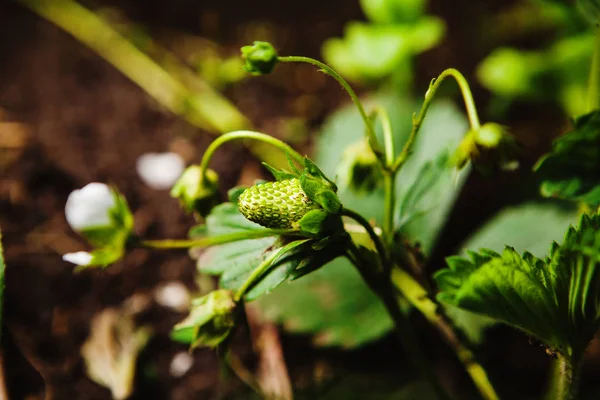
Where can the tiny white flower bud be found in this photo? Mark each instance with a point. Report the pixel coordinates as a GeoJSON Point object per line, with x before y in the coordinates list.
{"type": "Point", "coordinates": [181, 364]}
{"type": "Point", "coordinates": [90, 206]}
{"type": "Point", "coordinates": [160, 170]}
{"type": "Point", "coordinates": [81, 258]}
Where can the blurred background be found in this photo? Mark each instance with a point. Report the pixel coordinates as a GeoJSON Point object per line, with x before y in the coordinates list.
{"type": "Point", "coordinates": [88, 87]}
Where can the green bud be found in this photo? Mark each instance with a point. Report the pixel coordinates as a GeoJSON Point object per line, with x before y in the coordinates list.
{"type": "Point", "coordinates": [490, 144]}
{"type": "Point", "coordinates": [277, 205]}
{"type": "Point", "coordinates": [359, 169]}
{"type": "Point", "coordinates": [197, 192]}
{"type": "Point", "coordinates": [260, 58]}
{"type": "Point", "coordinates": [490, 135]}
{"type": "Point", "coordinates": [466, 151]}
{"type": "Point", "coordinates": [211, 320]}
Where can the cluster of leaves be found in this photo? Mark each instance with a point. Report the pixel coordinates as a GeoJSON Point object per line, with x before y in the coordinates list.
{"type": "Point", "coordinates": [397, 31]}
{"type": "Point", "coordinates": [318, 304]}
{"type": "Point", "coordinates": [320, 239]}
{"type": "Point", "coordinates": [556, 299]}
{"type": "Point", "coordinates": [558, 72]}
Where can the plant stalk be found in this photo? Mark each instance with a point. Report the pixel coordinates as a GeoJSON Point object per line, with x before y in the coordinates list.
{"type": "Point", "coordinates": [381, 249]}
{"type": "Point", "coordinates": [384, 290]}
{"type": "Point", "coordinates": [216, 240]}
{"type": "Point", "coordinates": [245, 134]}
{"type": "Point", "coordinates": [566, 379]}
{"type": "Point", "coordinates": [418, 297]}
{"type": "Point", "coordinates": [418, 119]}
{"type": "Point", "coordinates": [331, 72]}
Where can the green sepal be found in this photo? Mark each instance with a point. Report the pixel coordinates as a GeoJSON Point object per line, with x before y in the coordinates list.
{"type": "Point", "coordinates": [234, 193]}
{"type": "Point", "coordinates": [119, 229]}
{"type": "Point", "coordinates": [313, 221]}
{"type": "Point", "coordinates": [315, 172]}
{"type": "Point", "coordinates": [279, 174]}
{"type": "Point", "coordinates": [235, 261]}
{"type": "Point", "coordinates": [211, 320]}
{"type": "Point", "coordinates": [197, 190]}
{"type": "Point", "coordinates": [321, 194]}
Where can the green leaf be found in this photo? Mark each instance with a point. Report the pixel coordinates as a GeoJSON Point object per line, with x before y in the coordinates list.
{"type": "Point", "coordinates": [333, 303]}
{"type": "Point", "coordinates": [393, 11]}
{"type": "Point", "coordinates": [370, 52]}
{"type": "Point", "coordinates": [556, 299]}
{"type": "Point", "coordinates": [531, 226]}
{"type": "Point", "coordinates": [319, 303]}
{"type": "Point", "coordinates": [572, 169]}
{"type": "Point", "coordinates": [211, 320]}
{"type": "Point", "coordinates": [234, 262]}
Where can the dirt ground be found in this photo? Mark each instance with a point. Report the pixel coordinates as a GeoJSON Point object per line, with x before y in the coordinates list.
{"type": "Point", "coordinates": [80, 120]}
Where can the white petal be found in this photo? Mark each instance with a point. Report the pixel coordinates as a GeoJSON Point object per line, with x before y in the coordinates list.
{"type": "Point", "coordinates": [160, 170]}
{"type": "Point", "coordinates": [173, 295]}
{"type": "Point", "coordinates": [79, 258]}
{"type": "Point", "coordinates": [181, 363]}
{"type": "Point", "coordinates": [89, 206]}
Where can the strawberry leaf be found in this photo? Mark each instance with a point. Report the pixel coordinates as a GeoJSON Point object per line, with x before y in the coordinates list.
{"type": "Point", "coordinates": [556, 299]}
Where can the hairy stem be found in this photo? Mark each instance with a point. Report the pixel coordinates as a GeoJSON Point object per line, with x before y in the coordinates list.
{"type": "Point", "coordinates": [418, 119]}
{"type": "Point", "coordinates": [384, 290]}
{"type": "Point", "coordinates": [389, 186]}
{"type": "Point", "coordinates": [364, 223]}
{"type": "Point", "coordinates": [216, 240]}
{"type": "Point", "coordinates": [417, 296]}
{"type": "Point", "coordinates": [331, 72]}
{"type": "Point", "coordinates": [256, 274]}
{"type": "Point", "coordinates": [236, 135]}
{"type": "Point", "coordinates": [566, 379]}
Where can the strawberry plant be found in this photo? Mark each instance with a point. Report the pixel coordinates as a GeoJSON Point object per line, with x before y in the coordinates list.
{"type": "Point", "coordinates": [308, 221]}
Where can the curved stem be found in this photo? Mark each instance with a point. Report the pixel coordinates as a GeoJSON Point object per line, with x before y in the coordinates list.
{"type": "Point", "coordinates": [216, 240]}
{"type": "Point", "coordinates": [255, 275]}
{"type": "Point", "coordinates": [388, 137]}
{"type": "Point", "coordinates": [418, 119]}
{"type": "Point", "coordinates": [331, 72]}
{"type": "Point", "coordinates": [245, 134]}
{"type": "Point", "coordinates": [418, 297]}
{"type": "Point", "coordinates": [384, 290]}
{"type": "Point", "coordinates": [363, 222]}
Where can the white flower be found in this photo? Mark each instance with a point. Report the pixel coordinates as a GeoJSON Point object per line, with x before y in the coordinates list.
{"type": "Point", "coordinates": [160, 170]}
{"type": "Point", "coordinates": [181, 363]}
{"type": "Point", "coordinates": [81, 258]}
{"type": "Point", "coordinates": [173, 295]}
{"type": "Point", "coordinates": [89, 207]}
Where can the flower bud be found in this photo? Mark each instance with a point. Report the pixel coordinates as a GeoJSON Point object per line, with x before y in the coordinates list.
{"type": "Point", "coordinates": [277, 205]}
{"type": "Point", "coordinates": [100, 214]}
{"type": "Point", "coordinates": [211, 320]}
{"type": "Point", "coordinates": [160, 170]}
{"type": "Point", "coordinates": [260, 58]}
{"type": "Point", "coordinates": [359, 169]}
{"type": "Point", "coordinates": [490, 135]}
{"type": "Point", "coordinates": [196, 191]}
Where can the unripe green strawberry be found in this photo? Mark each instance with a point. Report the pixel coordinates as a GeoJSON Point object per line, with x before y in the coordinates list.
{"type": "Point", "coordinates": [275, 204]}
